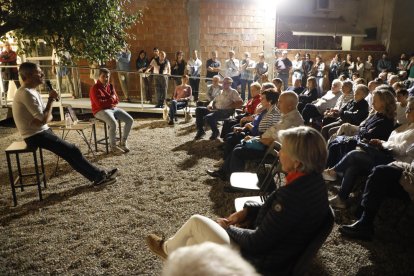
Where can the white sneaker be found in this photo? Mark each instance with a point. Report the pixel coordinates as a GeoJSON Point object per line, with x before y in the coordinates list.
{"type": "Point", "coordinates": [116, 150]}
{"type": "Point", "coordinates": [329, 175]}
{"type": "Point", "coordinates": [124, 146]}
{"type": "Point", "coordinates": [337, 202]}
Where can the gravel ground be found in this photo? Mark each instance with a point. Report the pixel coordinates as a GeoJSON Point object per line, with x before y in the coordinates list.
{"type": "Point", "coordinates": [79, 229]}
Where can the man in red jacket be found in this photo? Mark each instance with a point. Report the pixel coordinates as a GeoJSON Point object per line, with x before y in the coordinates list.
{"type": "Point", "coordinates": [9, 57]}
{"type": "Point", "coordinates": [104, 101]}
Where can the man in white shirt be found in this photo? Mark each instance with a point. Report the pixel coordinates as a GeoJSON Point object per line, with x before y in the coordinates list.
{"type": "Point", "coordinates": [162, 69]}
{"type": "Point", "coordinates": [220, 108]}
{"type": "Point", "coordinates": [60, 69]}
{"type": "Point", "coordinates": [317, 108]}
{"type": "Point", "coordinates": [232, 67]}
{"type": "Point", "coordinates": [194, 68]}
{"type": "Point", "coordinates": [31, 116]}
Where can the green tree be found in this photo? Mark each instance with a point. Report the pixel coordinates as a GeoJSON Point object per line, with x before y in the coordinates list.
{"type": "Point", "coordinates": [94, 30]}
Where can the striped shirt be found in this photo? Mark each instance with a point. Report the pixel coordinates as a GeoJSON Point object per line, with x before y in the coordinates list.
{"type": "Point", "coordinates": [271, 117]}
{"type": "Point", "coordinates": [343, 100]}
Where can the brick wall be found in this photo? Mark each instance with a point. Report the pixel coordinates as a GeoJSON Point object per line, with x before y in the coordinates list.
{"type": "Point", "coordinates": [224, 25]}
{"type": "Point", "coordinates": [231, 25]}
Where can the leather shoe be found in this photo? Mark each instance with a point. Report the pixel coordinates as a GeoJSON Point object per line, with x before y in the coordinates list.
{"type": "Point", "coordinates": [199, 135]}
{"type": "Point", "coordinates": [214, 135]}
{"type": "Point", "coordinates": [217, 174]}
{"type": "Point", "coordinates": [156, 243]}
{"type": "Point", "coordinates": [357, 230]}
{"type": "Point", "coordinates": [112, 174]}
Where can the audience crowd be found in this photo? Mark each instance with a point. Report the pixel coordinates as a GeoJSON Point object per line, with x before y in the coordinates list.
{"type": "Point", "coordinates": [361, 130]}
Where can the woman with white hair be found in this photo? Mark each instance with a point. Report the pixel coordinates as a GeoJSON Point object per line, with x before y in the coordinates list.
{"type": "Point", "coordinates": [207, 259]}
{"type": "Point", "coordinates": [378, 125]}
{"type": "Point", "coordinates": [271, 235]}
{"type": "Point", "coordinates": [398, 147]}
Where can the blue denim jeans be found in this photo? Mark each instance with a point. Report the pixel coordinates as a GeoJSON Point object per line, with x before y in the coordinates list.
{"type": "Point", "coordinates": [245, 83]}
{"type": "Point", "coordinates": [285, 79]}
{"type": "Point", "coordinates": [355, 163]}
{"type": "Point", "coordinates": [174, 106]}
{"type": "Point", "coordinates": [110, 117]}
{"type": "Point", "coordinates": [382, 183]}
{"type": "Point", "coordinates": [235, 162]}
{"type": "Point", "coordinates": [161, 88]}
{"type": "Point", "coordinates": [211, 117]}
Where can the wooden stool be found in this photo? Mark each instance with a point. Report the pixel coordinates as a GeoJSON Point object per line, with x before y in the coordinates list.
{"type": "Point", "coordinates": [105, 140]}
{"type": "Point", "coordinates": [18, 148]}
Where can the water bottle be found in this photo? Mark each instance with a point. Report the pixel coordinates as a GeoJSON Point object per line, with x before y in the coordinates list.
{"type": "Point", "coordinates": [68, 121]}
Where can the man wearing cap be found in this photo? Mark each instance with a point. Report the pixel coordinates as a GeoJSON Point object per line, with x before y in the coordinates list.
{"type": "Point", "coordinates": [282, 68]}
{"type": "Point", "coordinates": [220, 108]}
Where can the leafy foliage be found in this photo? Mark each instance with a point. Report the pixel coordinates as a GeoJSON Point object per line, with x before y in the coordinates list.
{"type": "Point", "coordinates": [87, 29]}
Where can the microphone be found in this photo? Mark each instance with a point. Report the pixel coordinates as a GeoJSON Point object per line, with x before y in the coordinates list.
{"type": "Point", "coordinates": [49, 86]}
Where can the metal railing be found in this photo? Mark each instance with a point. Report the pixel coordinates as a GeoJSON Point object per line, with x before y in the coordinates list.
{"type": "Point", "coordinates": [75, 82]}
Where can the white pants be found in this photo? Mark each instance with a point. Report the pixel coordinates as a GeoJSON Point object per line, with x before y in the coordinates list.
{"type": "Point", "coordinates": [319, 82]}
{"type": "Point", "coordinates": [110, 117]}
{"type": "Point", "coordinates": [196, 230]}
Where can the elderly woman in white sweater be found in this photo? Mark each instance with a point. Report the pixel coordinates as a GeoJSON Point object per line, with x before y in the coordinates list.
{"type": "Point", "coordinates": [398, 147]}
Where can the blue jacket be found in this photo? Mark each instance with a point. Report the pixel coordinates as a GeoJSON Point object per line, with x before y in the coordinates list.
{"type": "Point", "coordinates": [283, 225]}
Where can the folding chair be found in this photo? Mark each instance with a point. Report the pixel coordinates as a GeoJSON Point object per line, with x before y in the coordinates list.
{"type": "Point", "coordinates": [185, 108]}
{"type": "Point", "coordinates": [248, 181]}
{"type": "Point", "coordinates": [267, 183]}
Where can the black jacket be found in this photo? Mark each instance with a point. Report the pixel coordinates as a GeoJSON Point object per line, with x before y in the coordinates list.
{"type": "Point", "coordinates": [283, 225]}
{"type": "Point", "coordinates": [354, 112]}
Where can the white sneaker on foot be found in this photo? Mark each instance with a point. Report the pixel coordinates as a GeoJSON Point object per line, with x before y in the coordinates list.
{"type": "Point", "coordinates": [124, 146]}
{"type": "Point", "coordinates": [337, 202]}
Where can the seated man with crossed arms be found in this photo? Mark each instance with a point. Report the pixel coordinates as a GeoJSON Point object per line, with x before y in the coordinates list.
{"type": "Point", "coordinates": [220, 108]}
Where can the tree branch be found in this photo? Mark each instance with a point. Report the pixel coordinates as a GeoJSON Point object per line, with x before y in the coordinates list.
{"type": "Point", "coordinates": [9, 26]}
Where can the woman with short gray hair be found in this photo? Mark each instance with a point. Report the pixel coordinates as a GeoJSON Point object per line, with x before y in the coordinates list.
{"type": "Point", "coordinates": [271, 235]}
{"type": "Point", "coordinates": [304, 146]}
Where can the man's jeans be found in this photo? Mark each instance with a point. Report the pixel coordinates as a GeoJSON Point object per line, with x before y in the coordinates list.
{"type": "Point", "coordinates": [245, 83]}
{"type": "Point", "coordinates": [110, 116]}
{"type": "Point", "coordinates": [211, 117]}
{"type": "Point", "coordinates": [69, 152]}
{"type": "Point", "coordinates": [176, 105]}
